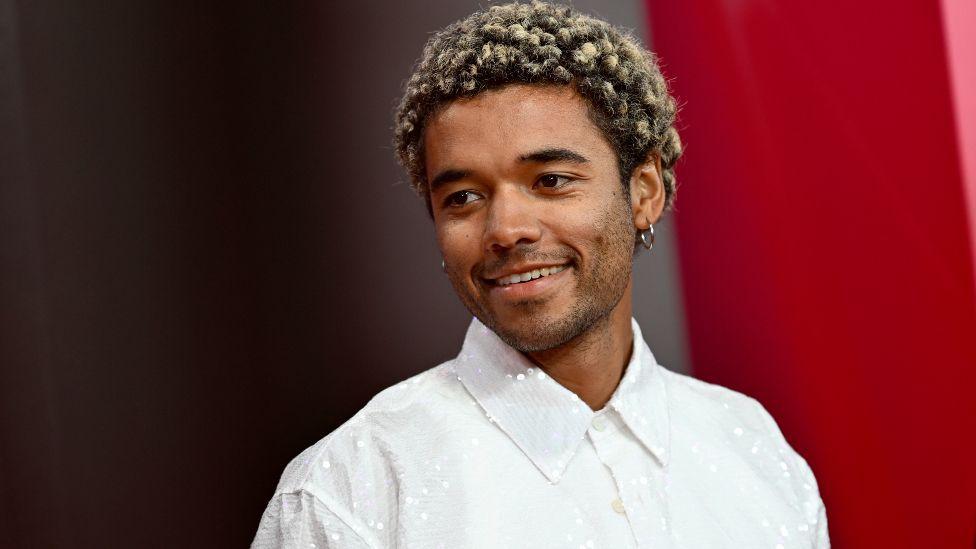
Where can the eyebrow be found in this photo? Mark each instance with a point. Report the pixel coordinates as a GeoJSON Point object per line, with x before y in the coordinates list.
{"type": "Point", "coordinates": [542, 156]}
{"type": "Point", "coordinates": [447, 176]}
{"type": "Point", "coordinates": [554, 154]}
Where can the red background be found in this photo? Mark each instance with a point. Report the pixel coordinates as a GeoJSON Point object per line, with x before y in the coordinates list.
{"type": "Point", "coordinates": [825, 248]}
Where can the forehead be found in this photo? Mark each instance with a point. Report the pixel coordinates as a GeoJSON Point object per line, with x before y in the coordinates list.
{"type": "Point", "coordinates": [500, 125]}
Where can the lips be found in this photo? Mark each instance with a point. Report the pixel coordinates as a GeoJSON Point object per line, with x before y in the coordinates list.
{"type": "Point", "coordinates": [527, 275]}
{"type": "Point", "coordinates": [508, 291]}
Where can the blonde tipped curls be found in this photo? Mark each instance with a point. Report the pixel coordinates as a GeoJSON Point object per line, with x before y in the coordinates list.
{"type": "Point", "coordinates": [545, 43]}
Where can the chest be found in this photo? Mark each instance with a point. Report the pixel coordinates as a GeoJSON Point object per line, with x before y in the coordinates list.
{"type": "Point", "coordinates": [613, 493]}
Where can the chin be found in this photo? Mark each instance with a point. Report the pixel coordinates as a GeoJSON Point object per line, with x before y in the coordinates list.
{"type": "Point", "coordinates": [528, 343]}
{"type": "Point", "coordinates": [533, 333]}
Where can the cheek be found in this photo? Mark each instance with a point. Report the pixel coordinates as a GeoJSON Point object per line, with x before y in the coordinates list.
{"type": "Point", "coordinates": [605, 228]}
{"type": "Point", "coordinates": [457, 242]}
{"type": "Point", "coordinates": [598, 221]}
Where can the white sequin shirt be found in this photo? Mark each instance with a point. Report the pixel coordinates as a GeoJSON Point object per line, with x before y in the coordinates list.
{"type": "Point", "coordinates": [486, 450]}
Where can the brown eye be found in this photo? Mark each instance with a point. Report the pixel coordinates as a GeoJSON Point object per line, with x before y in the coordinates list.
{"type": "Point", "coordinates": [460, 198]}
{"type": "Point", "coordinates": [553, 181]}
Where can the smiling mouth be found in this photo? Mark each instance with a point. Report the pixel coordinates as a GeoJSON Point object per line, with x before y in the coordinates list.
{"type": "Point", "coordinates": [519, 278]}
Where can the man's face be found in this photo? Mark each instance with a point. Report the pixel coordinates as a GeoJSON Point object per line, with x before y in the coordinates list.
{"type": "Point", "coordinates": [523, 183]}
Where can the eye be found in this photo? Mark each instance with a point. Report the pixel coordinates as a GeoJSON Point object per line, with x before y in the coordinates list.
{"type": "Point", "coordinates": [553, 181]}
{"type": "Point", "coordinates": [460, 198]}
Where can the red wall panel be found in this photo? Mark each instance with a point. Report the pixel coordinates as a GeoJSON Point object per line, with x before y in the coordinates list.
{"type": "Point", "coordinates": [825, 247]}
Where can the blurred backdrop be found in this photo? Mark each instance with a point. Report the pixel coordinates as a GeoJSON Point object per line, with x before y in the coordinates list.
{"type": "Point", "coordinates": [209, 258]}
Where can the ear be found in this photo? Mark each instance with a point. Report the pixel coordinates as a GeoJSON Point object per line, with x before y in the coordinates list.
{"type": "Point", "coordinates": [647, 192]}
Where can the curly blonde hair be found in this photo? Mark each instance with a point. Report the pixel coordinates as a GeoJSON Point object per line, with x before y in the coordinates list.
{"type": "Point", "coordinates": [545, 44]}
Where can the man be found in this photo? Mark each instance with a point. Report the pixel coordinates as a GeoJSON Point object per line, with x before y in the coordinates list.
{"type": "Point", "coordinates": [543, 144]}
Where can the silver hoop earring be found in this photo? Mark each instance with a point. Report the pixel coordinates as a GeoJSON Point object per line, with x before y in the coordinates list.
{"type": "Point", "coordinates": [647, 238]}
{"type": "Point", "coordinates": [443, 266]}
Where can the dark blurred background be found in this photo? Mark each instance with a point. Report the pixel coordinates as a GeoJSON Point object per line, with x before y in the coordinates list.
{"type": "Point", "coordinates": [210, 258]}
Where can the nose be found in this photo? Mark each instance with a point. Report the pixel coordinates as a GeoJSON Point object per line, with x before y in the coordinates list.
{"type": "Point", "coordinates": [512, 221]}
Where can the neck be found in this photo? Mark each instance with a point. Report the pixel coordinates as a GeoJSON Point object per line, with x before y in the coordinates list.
{"type": "Point", "coordinates": [592, 364]}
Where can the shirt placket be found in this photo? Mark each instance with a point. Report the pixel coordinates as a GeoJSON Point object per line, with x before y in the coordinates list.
{"type": "Point", "coordinates": [638, 477]}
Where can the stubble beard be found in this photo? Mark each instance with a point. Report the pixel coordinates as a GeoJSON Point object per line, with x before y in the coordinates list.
{"type": "Point", "coordinates": [597, 292]}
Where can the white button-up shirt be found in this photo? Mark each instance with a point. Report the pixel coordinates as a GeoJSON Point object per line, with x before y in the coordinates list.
{"type": "Point", "coordinates": [486, 450]}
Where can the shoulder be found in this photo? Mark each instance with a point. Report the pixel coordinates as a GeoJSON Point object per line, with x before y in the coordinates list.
{"type": "Point", "coordinates": [702, 401]}
{"type": "Point", "coordinates": [722, 412]}
{"type": "Point", "coordinates": [711, 418]}
{"type": "Point", "coordinates": [353, 474]}
{"type": "Point", "coordinates": [370, 442]}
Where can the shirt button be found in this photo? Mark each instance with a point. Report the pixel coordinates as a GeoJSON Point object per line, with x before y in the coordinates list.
{"type": "Point", "coordinates": [618, 506]}
{"type": "Point", "coordinates": [599, 423]}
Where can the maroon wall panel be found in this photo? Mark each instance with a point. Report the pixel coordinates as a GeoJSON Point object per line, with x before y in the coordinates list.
{"type": "Point", "coordinates": [825, 249]}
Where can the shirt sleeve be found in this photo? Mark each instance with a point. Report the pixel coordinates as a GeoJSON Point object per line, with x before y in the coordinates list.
{"type": "Point", "coordinates": [813, 506]}
{"type": "Point", "coordinates": [300, 520]}
{"type": "Point", "coordinates": [822, 541]}
{"type": "Point", "coordinates": [807, 490]}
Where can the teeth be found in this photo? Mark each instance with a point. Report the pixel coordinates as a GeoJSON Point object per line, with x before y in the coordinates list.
{"type": "Point", "coordinates": [523, 277]}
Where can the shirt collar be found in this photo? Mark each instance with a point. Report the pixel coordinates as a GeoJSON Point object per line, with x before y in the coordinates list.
{"type": "Point", "coordinates": [548, 421]}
